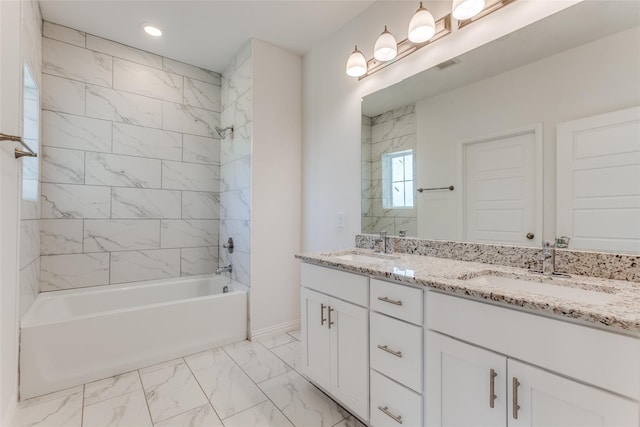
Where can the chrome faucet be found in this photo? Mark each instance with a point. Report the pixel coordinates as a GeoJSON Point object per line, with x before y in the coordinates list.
{"type": "Point", "coordinates": [382, 242]}
{"type": "Point", "coordinates": [225, 269]}
{"type": "Point", "coordinates": [548, 258]}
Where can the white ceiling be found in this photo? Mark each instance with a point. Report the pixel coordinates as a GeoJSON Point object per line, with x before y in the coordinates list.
{"type": "Point", "coordinates": [206, 33]}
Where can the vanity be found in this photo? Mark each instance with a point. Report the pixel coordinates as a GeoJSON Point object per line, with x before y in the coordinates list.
{"type": "Point", "coordinates": [413, 340]}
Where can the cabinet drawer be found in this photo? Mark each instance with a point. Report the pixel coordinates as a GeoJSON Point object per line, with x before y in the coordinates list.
{"type": "Point", "coordinates": [389, 399]}
{"type": "Point", "coordinates": [340, 284]}
{"type": "Point", "coordinates": [396, 300]}
{"type": "Point", "coordinates": [396, 350]}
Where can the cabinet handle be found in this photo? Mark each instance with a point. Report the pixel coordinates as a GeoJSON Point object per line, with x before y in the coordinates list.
{"type": "Point", "coordinates": [516, 383]}
{"type": "Point", "coordinates": [388, 350]}
{"type": "Point", "coordinates": [390, 301]}
{"type": "Point", "coordinates": [322, 318]}
{"type": "Point", "coordinates": [492, 387]}
{"type": "Point", "coordinates": [385, 410]}
{"type": "Point", "coordinates": [330, 322]}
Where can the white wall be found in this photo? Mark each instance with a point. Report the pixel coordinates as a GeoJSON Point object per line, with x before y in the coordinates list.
{"type": "Point", "coordinates": [331, 105]}
{"type": "Point", "coordinates": [276, 189]}
{"type": "Point", "coordinates": [592, 79]}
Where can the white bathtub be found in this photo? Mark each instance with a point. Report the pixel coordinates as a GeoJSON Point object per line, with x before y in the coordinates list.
{"type": "Point", "coordinates": [76, 336]}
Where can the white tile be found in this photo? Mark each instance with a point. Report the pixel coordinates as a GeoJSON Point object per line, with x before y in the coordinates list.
{"type": "Point", "coordinates": [62, 166]}
{"type": "Point", "coordinates": [73, 271]}
{"type": "Point", "coordinates": [28, 286]}
{"type": "Point", "coordinates": [81, 133]}
{"type": "Point", "coordinates": [350, 422]}
{"type": "Point", "coordinates": [63, 34]}
{"type": "Point", "coordinates": [198, 260]}
{"type": "Point", "coordinates": [29, 242]}
{"type": "Point", "coordinates": [133, 266]}
{"type": "Point", "coordinates": [187, 119]}
{"type": "Point", "coordinates": [239, 146]}
{"type": "Point", "coordinates": [59, 410]}
{"type": "Point", "coordinates": [200, 205]}
{"type": "Point", "coordinates": [148, 81]}
{"type": "Point", "coordinates": [258, 362]}
{"type": "Point", "coordinates": [301, 402]}
{"type": "Point", "coordinates": [190, 176]}
{"type": "Point", "coordinates": [236, 204]}
{"type": "Point", "coordinates": [239, 230]}
{"type": "Point", "coordinates": [109, 104]}
{"type": "Point", "coordinates": [120, 235]}
{"type": "Point", "coordinates": [262, 415]}
{"type": "Point", "coordinates": [276, 340]}
{"type": "Point", "coordinates": [107, 388]}
{"type": "Point", "coordinates": [60, 236]}
{"type": "Point", "coordinates": [122, 51]}
{"type": "Point", "coordinates": [192, 233]}
{"type": "Point", "coordinates": [171, 389]}
{"type": "Point", "coordinates": [122, 171]}
{"type": "Point", "coordinates": [75, 201]}
{"type": "Point", "coordinates": [146, 142]}
{"type": "Point", "coordinates": [241, 81]}
{"type": "Point", "coordinates": [63, 95]}
{"type": "Point", "coordinates": [239, 112]}
{"type": "Point", "coordinates": [128, 203]}
{"type": "Point", "coordinates": [289, 353]}
{"type": "Point", "coordinates": [127, 410]}
{"type": "Point", "coordinates": [199, 149]}
{"type": "Point", "coordinates": [236, 175]}
{"type": "Point", "coordinates": [295, 334]}
{"type": "Point", "coordinates": [201, 94]}
{"type": "Point", "coordinates": [202, 416]}
{"type": "Point", "coordinates": [241, 262]}
{"type": "Point", "coordinates": [191, 71]}
{"type": "Point", "coordinates": [76, 63]}
{"type": "Point", "coordinates": [229, 389]}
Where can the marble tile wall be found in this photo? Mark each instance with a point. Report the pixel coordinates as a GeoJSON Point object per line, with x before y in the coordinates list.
{"type": "Point", "coordinates": [392, 131]}
{"type": "Point", "coordinates": [235, 165]}
{"type": "Point", "coordinates": [130, 164]}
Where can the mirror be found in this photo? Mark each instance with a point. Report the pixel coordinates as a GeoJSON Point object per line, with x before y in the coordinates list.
{"type": "Point", "coordinates": [489, 124]}
{"type": "Point", "coordinates": [31, 132]}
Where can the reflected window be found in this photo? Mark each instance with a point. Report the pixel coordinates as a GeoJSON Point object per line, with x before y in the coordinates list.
{"type": "Point", "coordinates": [31, 135]}
{"type": "Point", "coordinates": [397, 180]}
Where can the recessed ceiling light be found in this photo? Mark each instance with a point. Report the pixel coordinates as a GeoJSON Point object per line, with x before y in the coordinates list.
{"type": "Point", "coordinates": [152, 31]}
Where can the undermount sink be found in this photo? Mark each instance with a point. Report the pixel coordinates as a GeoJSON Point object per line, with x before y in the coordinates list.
{"type": "Point", "coordinates": [555, 290]}
{"type": "Point", "coordinates": [365, 258]}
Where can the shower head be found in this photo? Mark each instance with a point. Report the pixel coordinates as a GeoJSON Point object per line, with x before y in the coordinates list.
{"type": "Point", "coordinates": [223, 132]}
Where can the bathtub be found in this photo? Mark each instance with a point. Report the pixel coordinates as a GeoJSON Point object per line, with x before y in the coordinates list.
{"type": "Point", "coordinates": [72, 337]}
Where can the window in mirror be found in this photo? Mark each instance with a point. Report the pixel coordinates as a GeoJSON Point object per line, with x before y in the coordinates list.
{"type": "Point", "coordinates": [31, 135]}
{"type": "Point", "coordinates": [397, 181]}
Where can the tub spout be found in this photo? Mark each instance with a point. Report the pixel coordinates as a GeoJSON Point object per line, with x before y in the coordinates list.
{"type": "Point", "coordinates": [225, 269]}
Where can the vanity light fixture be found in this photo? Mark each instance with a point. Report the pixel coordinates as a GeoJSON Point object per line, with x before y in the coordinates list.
{"type": "Point", "coordinates": [386, 47]}
{"type": "Point", "coordinates": [422, 26]}
{"type": "Point", "coordinates": [466, 9]}
{"type": "Point", "coordinates": [356, 64]}
{"type": "Point", "coordinates": [152, 31]}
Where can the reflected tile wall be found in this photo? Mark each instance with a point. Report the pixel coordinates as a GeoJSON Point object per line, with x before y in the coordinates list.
{"type": "Point", "coordinates": [131, 164]}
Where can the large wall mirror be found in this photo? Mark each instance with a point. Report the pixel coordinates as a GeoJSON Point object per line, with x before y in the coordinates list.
{"type": "Point", "coordinates": [534, 136]}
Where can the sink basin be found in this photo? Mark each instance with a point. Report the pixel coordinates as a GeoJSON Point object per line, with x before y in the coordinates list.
{"type": "Point", "coordinates": [365, 258]}
{"type": "Point", "coordinates": [573, 293]}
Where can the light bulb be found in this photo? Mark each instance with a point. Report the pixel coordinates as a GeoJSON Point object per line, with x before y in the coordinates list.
{"type": "Point", "coordinates": [466, 9]}
{"type": "Point", "coordinates": [356, 64]}
{"type": "Point", "coordinates": [422, 26]}
{"type": "Point", "coordinates": [152, 31]}
{"type": "Point", "coordinates": [386, 47]}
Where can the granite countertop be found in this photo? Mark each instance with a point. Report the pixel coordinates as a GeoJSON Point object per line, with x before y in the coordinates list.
{"type": "Point", "coordinates": [614, 304]}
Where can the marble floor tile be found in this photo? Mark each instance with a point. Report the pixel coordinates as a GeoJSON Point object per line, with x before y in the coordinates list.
{"type": "Point", "coordinates": [301, 402]}
{"type": "Point", "coordinates": [127, 410]}
{"type": "Point", "coordinates": [258, 362]}
{"type": "Point", "coordinates": [276, 340]}
{"type": "Point", "coordinates": [60, 409]}
{"type": "Point", "coordinates": [289, 353]}
{"type": "Point", "coordinates": [295, 334]}
{"type": "Point", "coordinates": [111, 387]}
{"type": "Point", "coordinates": [262, 415]}
{"type": "Point", "coordinates": [202, 416]}
{"type": "Point", "coordinates": [350, 422]}
{"type": "Point", "coordinates": [229, 389]}
{"type": "Point", "coordinates": [171, 389]}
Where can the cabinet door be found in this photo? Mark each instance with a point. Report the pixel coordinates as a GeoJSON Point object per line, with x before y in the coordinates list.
{"type": "Point", "coordinates": [350, 355]}
{"type": "Point", "coordinates": [315, 337]}
{"type": "Point", "coordinates": [466, 385]}
{"type": "Point", "coordinates": [546, 399]}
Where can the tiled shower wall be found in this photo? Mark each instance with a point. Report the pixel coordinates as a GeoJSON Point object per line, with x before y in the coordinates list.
{"type": "Point", "coordinates": [130, 164]}
{"type": "Point", "coordinates": [386, 133]}
{"type": "Point", "coordinates": [235, 170]}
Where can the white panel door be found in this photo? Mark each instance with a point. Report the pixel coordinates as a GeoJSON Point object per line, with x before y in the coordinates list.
{"type": "Point", "coordinates": [543, 399]}
{"type": "Point", "coordinates": [316, 350]}
{"type": "Point", "coordinates": [501, 189]}
{"type": "Point", "coordinates": [598, 181]}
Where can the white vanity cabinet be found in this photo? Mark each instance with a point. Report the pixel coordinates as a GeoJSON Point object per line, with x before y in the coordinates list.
{"type": "Point", "coordinates": [335, 331]}
{"type": "Point", "coordinates": [493, 366]}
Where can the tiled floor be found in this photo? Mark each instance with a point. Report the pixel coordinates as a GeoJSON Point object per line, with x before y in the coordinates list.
{"type": "Point", "coordinates": [240, 385]}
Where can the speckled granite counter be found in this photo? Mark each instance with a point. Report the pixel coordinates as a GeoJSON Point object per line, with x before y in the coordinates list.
{"type": "Point", "coordinates": [618, 309]}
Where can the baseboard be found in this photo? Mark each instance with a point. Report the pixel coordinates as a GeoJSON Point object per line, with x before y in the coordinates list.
{"type": "Point", "coordinates": [275, 330]}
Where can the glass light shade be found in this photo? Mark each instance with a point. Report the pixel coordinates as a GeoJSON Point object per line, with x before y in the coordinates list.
{"type": "Point", "coordinates": [152, 31]}
{"type": "Point", "coordinates": [422, 26]}
{"type": "Point", "coordinates": [386, 47]}
{"type": "Point", "coordinates": [466, 9]}
{"type": "Point", "coordinates": [356, 64]}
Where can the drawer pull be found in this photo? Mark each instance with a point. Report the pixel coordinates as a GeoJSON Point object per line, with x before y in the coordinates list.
{"type": "Point", "coordinates": [385, 410]}
{"type": "Point", "coordinates": [388, 350]}
{"type": "Point", "coordinates": [390, 301]}
{"type": "Point", "coordinates": [322, 318]}
{"type": "Point", "coordinates": [515, 408]}
{"type": "Point", "coordinates": [492, 387]}
{"type": "Point", "coordinates": [330, 322]}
